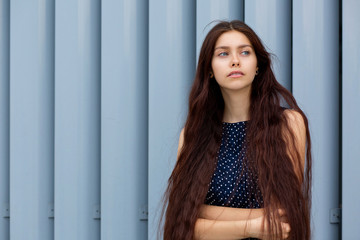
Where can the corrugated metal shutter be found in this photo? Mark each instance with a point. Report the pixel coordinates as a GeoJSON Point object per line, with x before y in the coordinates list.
{"type": "Point", "coordinates": [93, 95]}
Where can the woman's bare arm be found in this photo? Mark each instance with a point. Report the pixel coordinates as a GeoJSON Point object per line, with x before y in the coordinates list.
{"type": "Point", "coordinates": [229, 213]}
{"type": "Point", "coordinates": [206, 229]}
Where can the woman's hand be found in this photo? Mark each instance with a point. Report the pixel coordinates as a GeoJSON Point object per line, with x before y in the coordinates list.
{"type": "Point", "coordinates": [254, 227]}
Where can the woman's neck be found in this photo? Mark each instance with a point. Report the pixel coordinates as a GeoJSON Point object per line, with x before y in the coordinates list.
{"type": "Point", "coordinates": [237, 105]}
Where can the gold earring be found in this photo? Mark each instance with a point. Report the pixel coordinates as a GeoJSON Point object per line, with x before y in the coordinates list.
{"type": "Point", "coordinates": [211, 75]}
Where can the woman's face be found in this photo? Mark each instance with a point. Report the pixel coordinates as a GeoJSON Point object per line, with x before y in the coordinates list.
{"type": "Point", "coordinates": [234, 62]}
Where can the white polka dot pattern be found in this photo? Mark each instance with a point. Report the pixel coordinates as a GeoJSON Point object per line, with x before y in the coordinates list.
{"type": "Point", "coordinates": [232, 184]}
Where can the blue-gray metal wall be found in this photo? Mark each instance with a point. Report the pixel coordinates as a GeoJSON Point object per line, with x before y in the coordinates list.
{"type": "Point", "coordinates": [350, 119]}
{"type": "Point", "coordinates": [316, 87]}
{"type": "Point", "coordinates": [93, 95]}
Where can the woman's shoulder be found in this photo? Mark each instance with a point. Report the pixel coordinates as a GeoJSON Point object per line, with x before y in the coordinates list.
{"type": "Point", "coordinates": [294, 118]}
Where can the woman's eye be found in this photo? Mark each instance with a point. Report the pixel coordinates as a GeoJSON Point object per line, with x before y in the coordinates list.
{"type": "Point", "coordinates": [222, 54]}
{"type": "Point", "coordinates": [245, 52]}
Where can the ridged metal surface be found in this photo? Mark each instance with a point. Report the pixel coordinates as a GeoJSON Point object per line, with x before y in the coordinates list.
{"type": "Point", "coordinates": [31, 118]}
{"type": "Point", "coordinates": [350, 119]}
{"type": "Point", "coordinates": [316, 88]}
{"type": "Point", "coordinates": [124, 119]}
{"type": "Point", "coordinates": [4, 118]}
{"type": "Point", "coordinates": [77, 119]}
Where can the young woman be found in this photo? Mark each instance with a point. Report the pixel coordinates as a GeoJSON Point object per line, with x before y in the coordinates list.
{"type": "Point", "coordinates": [244, 160]}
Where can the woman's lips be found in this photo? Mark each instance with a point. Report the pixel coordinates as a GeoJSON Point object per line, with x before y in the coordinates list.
{"type": "Point", "coordinates": [236, 74]}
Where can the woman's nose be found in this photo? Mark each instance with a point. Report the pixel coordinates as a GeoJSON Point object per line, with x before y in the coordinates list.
{"type": "Point", "coordinates": [235, 61]}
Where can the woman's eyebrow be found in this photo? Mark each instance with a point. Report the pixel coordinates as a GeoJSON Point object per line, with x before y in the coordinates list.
{"type": "Point", "coordinates": [240, 46]}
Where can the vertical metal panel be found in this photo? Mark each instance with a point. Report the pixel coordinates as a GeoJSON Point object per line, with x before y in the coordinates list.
{"type": "Point", "coordinates": [350, 119]}
{"type": "Point", "coordinates": [213, 10]}
{"type": "Point", "coordinates": [316, 88]}
{"type": "Point", "coordinates": [271, 20]}
{"type": "Point", "coordinates": [31, 116]}
{"type": "Point", "coordinates": [77, 119]}
{"type": "Point", "coordinates": [171, 71]}
{"type": "Point", "coordinates": [4, 116]}
{"type": "Point", "coordinates": [124, 119]}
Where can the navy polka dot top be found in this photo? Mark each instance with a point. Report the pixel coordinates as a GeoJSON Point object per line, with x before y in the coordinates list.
{"type": "Point", "coordinates": [232, 184]}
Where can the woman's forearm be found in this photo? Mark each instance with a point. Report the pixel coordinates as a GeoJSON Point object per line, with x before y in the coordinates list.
{"type": "Point", "coordinates": [206, 229]}
{"type": "Point", "coordinates": [228, 213]}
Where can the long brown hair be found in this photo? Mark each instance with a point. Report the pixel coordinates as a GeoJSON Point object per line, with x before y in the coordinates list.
{"type": "Point", "coordinates": [268, 149]}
